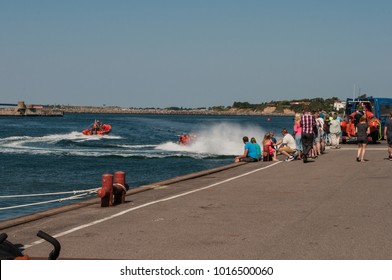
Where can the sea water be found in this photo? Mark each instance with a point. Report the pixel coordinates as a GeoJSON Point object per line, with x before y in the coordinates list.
{"type": "Point", "coordinates": [44, 155]}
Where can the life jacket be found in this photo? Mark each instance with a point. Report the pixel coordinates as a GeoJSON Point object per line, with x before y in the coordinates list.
{"type": "Point", "coordinates": [343, 125]}
{"type": "Point", "coordinates": [373, 124]}
{"type": "Point", "coordinates": [350, 129]}
{"type": "Point", "coordinates": [369, 116]}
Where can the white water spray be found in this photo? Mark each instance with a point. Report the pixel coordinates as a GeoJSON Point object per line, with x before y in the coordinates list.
{"type": "Point", "coordinates": [220, 139]}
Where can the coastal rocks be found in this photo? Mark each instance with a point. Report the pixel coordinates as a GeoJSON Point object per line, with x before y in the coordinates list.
{"type": "Point", "coordinates": [158, 111]}
{"type": "Point", "coordinates": [288, 112]}
{"type": "Point", "coordinates": [269, 110]}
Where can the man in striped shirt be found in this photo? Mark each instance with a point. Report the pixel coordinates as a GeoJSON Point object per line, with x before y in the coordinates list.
{"type": "Point", "coordinates": [307, 123]}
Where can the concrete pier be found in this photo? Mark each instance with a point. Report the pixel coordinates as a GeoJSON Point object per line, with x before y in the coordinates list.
{"type": "Point", "coordinates": [331, 208]}
{"type": "Point", "coordinates": [28, 110]}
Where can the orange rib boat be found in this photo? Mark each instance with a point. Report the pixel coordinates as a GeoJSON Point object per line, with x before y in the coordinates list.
{"type": "Point", "coordinates": [102, 130]}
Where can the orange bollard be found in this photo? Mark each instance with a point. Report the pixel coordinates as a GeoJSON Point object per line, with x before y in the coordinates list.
{"type": "Point", "coordinates": [106, 191]}
{"type": "Point", "coordinates": [119, 187]}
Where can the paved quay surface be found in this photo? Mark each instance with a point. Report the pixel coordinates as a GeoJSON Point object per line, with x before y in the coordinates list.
{"type": "Point", "coordinates": [331, 208]}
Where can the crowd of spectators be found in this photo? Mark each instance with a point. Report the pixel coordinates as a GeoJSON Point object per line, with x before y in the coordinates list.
{"type": "Point", "coordinates": [312, 132]}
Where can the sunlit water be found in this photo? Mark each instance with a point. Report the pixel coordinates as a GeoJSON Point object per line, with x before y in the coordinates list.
{"type": "Point", "coordinates": [49, 155]}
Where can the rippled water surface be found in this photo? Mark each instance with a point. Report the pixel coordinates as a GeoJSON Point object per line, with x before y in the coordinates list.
{"type": "Point", "coordinates": [50, 155]}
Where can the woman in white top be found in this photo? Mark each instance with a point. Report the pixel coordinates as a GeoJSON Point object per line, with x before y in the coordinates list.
{"type": "Point", "coordinates": [335, 131]}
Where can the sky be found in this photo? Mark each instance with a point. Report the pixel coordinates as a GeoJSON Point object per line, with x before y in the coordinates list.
{"type": "Point", "coordinates": [192, 53]}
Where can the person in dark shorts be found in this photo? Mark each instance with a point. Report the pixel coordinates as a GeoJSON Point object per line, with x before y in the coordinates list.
{"type": "Point", "coordinates": [362, 130]}
{"type": "Point", "coordinates": [388, 135]}
{"type": "Point", "coordinates": [307, 123]}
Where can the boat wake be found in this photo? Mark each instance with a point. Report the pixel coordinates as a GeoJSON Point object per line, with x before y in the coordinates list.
{"type": "Point", "coordinates": [53, 138]}
{"type": "Point", "coordinates": [222, 139]}
{"type": "Point", "coordinates": [52, 144]}
{"type": "Point", "coordinates": [214, 141]}
{"type": "Point", "coordinates": [79, 145]}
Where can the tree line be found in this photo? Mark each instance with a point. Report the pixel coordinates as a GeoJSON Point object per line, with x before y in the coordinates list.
{"type": "Point", "coordinates": [315, 104]}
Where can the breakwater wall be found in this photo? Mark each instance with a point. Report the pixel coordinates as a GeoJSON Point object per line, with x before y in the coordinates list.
{"type": "Point", "coordinates": [157, 111]}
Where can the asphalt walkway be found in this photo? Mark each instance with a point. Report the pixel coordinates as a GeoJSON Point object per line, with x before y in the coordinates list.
{"type": "Point", "coordinates": [330, 208]}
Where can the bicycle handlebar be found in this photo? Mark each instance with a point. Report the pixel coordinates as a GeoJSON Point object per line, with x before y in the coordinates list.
{"type": "Point", "coordinates": [57, 247]}
{"type": "Point", "coordinates": [3, 237]}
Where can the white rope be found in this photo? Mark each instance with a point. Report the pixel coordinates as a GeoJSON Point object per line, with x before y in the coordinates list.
{"type": "Point", "coordinates": [47, 194]}
{"type": "Point", "coordinates": [50, 201]}
{"type": "Point", "coordinates": [122, 186]}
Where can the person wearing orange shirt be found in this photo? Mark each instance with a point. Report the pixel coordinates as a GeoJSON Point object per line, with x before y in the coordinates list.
{"type": "Point", "coordinates": [350, 128]}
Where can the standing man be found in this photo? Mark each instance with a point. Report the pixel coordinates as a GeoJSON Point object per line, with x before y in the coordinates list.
{"type": "Point", "coordinates": [250, 153]}
{"type": "Point", "coordinates": [308, 121]}
{"type": "Point", "coordinates": [388, 134]}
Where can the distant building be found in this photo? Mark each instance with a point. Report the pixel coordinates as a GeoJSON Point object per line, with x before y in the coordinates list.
{"type": "Point", "coordinates": [306, 103]}
{"type": "Point", "coordinates": [337, 105]}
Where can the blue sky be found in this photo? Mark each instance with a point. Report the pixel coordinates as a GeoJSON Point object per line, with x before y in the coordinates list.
{"type": "Point", "coordinates": [202, 53]}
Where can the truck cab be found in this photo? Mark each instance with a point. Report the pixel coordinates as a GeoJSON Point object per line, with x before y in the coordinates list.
{"type": "Point", "coordinates": [379, 106]}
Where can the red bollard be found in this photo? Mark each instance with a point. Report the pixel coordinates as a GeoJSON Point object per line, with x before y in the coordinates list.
{"type": "Point", "coordinates": [119, 187]}
{"type": "Point", "coordinates": [106, 191]}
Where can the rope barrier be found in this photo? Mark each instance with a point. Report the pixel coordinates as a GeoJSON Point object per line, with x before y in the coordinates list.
{"type": "Point", "coordinates": [76, 196]}
{"type": "Point", "coordinates": [47, 194]}
{"type": "Point", "coordinates": [122, 186]}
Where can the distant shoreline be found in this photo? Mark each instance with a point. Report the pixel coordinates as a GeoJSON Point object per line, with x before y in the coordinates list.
{"type": "Point", "coordinates": [54, 111]}
{"type": "Point", "coordinates": [273, 108]}
{"type": "Point", "coordinates": [157, 111]}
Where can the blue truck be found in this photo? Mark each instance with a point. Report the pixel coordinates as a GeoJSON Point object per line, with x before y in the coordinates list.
{"type": "Point", "coordinates": [379, 106]}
